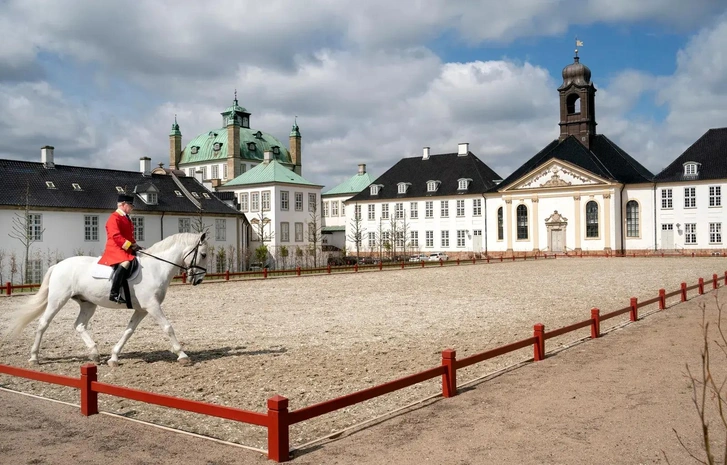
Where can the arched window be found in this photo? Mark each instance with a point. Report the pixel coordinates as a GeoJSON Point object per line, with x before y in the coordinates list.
{"type": "Point", "coordinates": [500, 225]}
{"type": "Point", "coordinates": [522, 222]}
{"type": "Point", "coordinates": [591, 219]}
{"type": "Point", "coordinates": [573, 104]}
{"type": "Point", "coordinates": [632, 218]}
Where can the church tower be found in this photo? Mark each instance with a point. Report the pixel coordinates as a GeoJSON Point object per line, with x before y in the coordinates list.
{"type": "Point", "coordinates": [577, 103]}
{"type": "Point", "coordinates": [175, 145]}
{"type": "Point", "coordinates": [295, 146]}
{"type": "Point", "coordinates": [233, 118]}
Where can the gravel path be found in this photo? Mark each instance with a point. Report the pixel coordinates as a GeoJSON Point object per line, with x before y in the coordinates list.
{"type": "Point", "coordinates": [312, 339]}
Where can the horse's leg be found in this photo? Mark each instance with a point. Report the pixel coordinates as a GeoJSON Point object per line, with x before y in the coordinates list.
{"type": "Point", "coordinates": [81, 326]}
{"type": "Point", "coordinates": [56, 301]}
{"type": "Point", "coordinates": [156, 312]}
{"type": "Point", "coordinates": [130, 328]}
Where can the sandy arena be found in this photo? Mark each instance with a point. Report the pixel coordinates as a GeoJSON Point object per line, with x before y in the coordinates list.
{"type": "Point", "coordinates": [315, 338]}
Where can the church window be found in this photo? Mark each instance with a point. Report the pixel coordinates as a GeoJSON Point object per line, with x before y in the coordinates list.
{"type": "Point", "coordinates": [592, 219]}
{"type": "Point", "coordinates": [522, 222]}
{"type": "Point", "coordinates": [632, 218]}
{"type": "Point", "coordinates": [573, 104]}
{"type": "Point", "coordinates": [500, 225]}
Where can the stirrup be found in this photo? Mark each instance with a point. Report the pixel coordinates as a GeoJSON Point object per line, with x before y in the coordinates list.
{"type": "Point", "coordinates": [118, 299]}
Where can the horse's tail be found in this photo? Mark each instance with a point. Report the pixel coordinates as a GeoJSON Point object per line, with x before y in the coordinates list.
{"type": "Point", "coordinates": [32, 309]}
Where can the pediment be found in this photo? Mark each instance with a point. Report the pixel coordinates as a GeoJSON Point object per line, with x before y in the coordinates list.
{"type": "Point", "coordinates": [556, 174]}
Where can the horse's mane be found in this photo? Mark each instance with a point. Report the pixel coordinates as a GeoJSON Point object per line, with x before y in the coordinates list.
{"type": "Point", "coordinates": [171, 241]}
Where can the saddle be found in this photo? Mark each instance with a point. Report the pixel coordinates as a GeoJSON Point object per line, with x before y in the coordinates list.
{"type": "Point", "coordinates": [99, 271]}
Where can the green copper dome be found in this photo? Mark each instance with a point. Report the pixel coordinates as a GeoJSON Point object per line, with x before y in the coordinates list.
{"type": "Point", "coordinates": [213, 146]}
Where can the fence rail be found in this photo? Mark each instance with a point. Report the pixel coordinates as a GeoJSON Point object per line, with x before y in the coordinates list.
{"type": "Point", "coordinates": [278, 418]}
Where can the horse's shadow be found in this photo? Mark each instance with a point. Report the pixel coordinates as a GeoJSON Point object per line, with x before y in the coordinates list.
{"type": "Point", "coordinates": [196, 356]}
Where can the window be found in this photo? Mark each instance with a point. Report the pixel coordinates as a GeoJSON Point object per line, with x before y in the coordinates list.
{"type": "Point", "coordinates": [221, 261]}
{"type": "Point", "coordinates": [120, 190]}
{"type": "Point", "coordinates": [185, 225]}
{"type": "Point", "coordinates": [215, 171]}
{"type": "Point", "coordinates": [312, 202]}
{"type": "Point", "coordinates": [284, 231]}
{"type": "Point", "coordinates": [34, 273]}
{"type": "Point", "coordinates": [386, 237]}
{"type": "Point", "coordinates": [715, 233]}
{"type": "Point", "coordinates": [357, 212]}
{"type": "Point", "coordinates": [90, 226]}
{"type": "Point", "coordinates": [690, 197]}
{"type": "Point", "coordinates": [334, 208]}
{"type": "Point", "coordinates": [414, 238]}
{"type": "Point", "coordinates": [691, 169]}
{"type": "Point", "coordinates": [429, 209]}
{"type": "Point", "coordinates": [632, 219]}
{"type": "Point", "coordinates": [400, 239]}
{"type": "Point", "coordinates": [429, 235]}
{"type": "Point", "coordinates": [715, 196]}
{"type": "Point", "coordinates": [500, 225]}
{"type": "Point", "coordinates": [444, 208]}
{"type": "Point", "coordinates": [445, 239]}
{"type": "Point", "coordinates": [385, 211]}
{"type": "Point", "coordinates": [255, 201]}
{"type": "Point", "coordinates": [372, 240]}
{"type": "Point", "coordinates": [399, 211]}
{"type": "Point", "coordinates": [221, 230]}
{"type": "Point", "coordinates": [204, 194]}
{"type": "Point", "coordinates": [432, 186]}
{"type": "Point", "coordinates": [462, 184]}
{"type": "Point", "coordinates": [299, 201]}
{"type": "Point", "coordinates": [522, 222]}
{"type": "Point", "coordinates": [591, 219]}
{"type": "Point", "coordinates": [413, 212]}
{"type": "Point", "coordinates": [243, 201]}
{"type": "Point", "coordinates": [690, 233]}
{"type": "Point", "coordinates": [243, 168]}
{"type": "Point", "coordinates": [402, 187]}
{"type": "Point", "coordinates": [138, 222]}
{"type": "Point", "coordinates": [224, 170]}
{"type": "Point", "coordinates": [284, 200]}
{"type": "Point", "coordinates": [460, 207]}
{"type": "Point", "coordinates": [204, 172]}
{"type": "Point", "coordinates": [195, 195]}
{"type": "Point", "coordinates": [460, 237]}
{"type": "Point", "coordinates": [372, 212]}
{"type": "Point", "coordinates": [666, 199]}
{"type": "Point", "coordinates": [476, 207]}
{"type": "Point", "coordinates": [326, 210]}
{"type": "Point", "coordinates": [50, 185]}
{"type": "Point", "coordinates": [152, 199]}
{"type": "Point", "coordinates": [178, 193]}
{"type": "Point", "coordinates": [266, 201]}
{"type": "Point", "coordinates": [299, 232]}
{"type": "Point", "coordinates": [35, 227]}
{"type": "Point", "coordinates": [374, 189]}
{"type": "Point", "coordinates": [76, 186]}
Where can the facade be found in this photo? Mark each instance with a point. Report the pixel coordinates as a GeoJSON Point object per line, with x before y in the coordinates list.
{"type": "Point", "coordinates": [334, 208]}
{"type": "Point", "coordinates": [61, 211]}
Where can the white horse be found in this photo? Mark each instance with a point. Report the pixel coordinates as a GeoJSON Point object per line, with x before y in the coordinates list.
{"type": "Point", "coordinates": [72, 279]}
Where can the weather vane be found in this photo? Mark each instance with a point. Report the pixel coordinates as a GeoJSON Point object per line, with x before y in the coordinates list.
{"type": "Point", "coordinates": [578, 44]}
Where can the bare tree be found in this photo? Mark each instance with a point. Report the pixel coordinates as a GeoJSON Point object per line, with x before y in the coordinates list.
{"type": "Point", "coordinates": [231, 258]}
{"type": "Point", "coordinates": [26, 230]}
{"type": "Point", "coordinates": [13, 266]}
{"type": "Point", "coordinates": [284, 252]}
{"type": "Point", "coordinates": [2, 265]}
{"type": "Point", "coordinates": [262, 227]}
{"type": "Point", "coordinates": [315, 234]}
{"type": "Point", "coordinates": [356, 230]}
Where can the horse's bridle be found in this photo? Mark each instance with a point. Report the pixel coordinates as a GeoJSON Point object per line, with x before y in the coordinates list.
{"type": "Point", "coordinates": [192, 266]}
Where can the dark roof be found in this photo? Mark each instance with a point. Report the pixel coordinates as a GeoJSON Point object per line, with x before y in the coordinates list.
{"type": "Point", "coordinates": [605, 159]}
{"type": "Point", "coordinates": [447, 168]}
{"type": "Point", "coordinates": [97, 189]}
{"type": "Point", "coordinates": [710, 151]}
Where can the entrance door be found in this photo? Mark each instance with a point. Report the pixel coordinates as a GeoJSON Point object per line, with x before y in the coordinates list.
{"type": "Point", "coordinates": [557, 239]}
{"type": "Point", "coordinates": [477, 241]}
{"type": "Point", "coordinates": [667, 236]}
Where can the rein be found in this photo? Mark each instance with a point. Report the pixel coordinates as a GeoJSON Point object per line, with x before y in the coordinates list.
{"type": "Point", "coordinates": [192, 265]}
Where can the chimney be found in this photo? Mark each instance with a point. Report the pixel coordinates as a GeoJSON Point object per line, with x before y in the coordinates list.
{"type": "Point", "coordinates": [267, 156]}
{"type": "Point", "coordinates": [464, 148]}
{"type": "Point", "coordinates": [145, 166]}
{"type": "Point", "coordinates": [46, 156]}
{"type": "Point", "coordinates": [362, 168]}
{"type": "Point", "coordinates": [215, 183]}
{"type": "Point", "coordinates": [425, 153]}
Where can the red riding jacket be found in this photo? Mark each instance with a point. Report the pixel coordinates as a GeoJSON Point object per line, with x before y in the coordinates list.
{"type": "Point", "coordinates": [119, 237]}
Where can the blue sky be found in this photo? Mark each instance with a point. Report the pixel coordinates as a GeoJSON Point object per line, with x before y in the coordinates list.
{"type": "Point", "coordinates": [370, 83]}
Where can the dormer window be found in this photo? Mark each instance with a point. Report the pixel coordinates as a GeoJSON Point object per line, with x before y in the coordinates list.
{"type": "Point", "coordinates": [432, 186]}
{"type": "Point", "coordinates": [245, 122]}
{"type": "Point", "coordinates": [691, 168]}
{"type": "Point", "coordinates": [149, 198]}
{"type": "Point", "coordinates": [375, 188]}
{"type": "Point", "coordinates": [76, 186]}
{"type": "Point", "coordinates": [50, 185]}
{"type": "Point", "coordinates": [251, 146]}
{"type": "Point", "coordinates": [258, 135]}
{"type": "Point", "coordinates": [120, 190]}
{"type": "Point", "coordinates": [205, 195]}
{"type": "Point", "coordinates": [276, 150]}
{"type": "Point", "coordinates": [194, 149]}
{"type": "Point", "coordinates": [212, 134]}
{"type": "Point", "coordinates": [217, 146]}
{"type": "Point", "coordinates": [195, 195]}
{"type": "Point", "coordinates": [402, 187]}
{"type": "Point", "coordinates": [178, 193]}
{"type": "Point", "coordinates": [463, 184]}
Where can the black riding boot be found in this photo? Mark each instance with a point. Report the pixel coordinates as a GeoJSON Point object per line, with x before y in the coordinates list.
{"type": "Point", "coordinates": [120, 274]}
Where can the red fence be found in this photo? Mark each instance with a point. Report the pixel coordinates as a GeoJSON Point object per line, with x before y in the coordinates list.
{"type": "Point", "coordinates": [278, 418]}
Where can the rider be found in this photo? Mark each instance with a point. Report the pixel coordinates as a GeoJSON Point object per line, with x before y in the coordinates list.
{"type": "Point", "coordinates": [120, 245]}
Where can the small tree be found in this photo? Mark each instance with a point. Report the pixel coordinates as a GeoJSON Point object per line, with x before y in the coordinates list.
{"type": "Point", "coordinates": [231, 258]}
{"type": "Point", "coordinates": [26, 231]}
{"type": "Point", "coordinates": [298, 255]}
{"type": "Point", "coordinates": [283, 251]}
{"type": "Point", "coordinates": [357, 230]}
{"type": "Point", "coordinates": [315, 234]}
{"type": "Point", "coordinates": [2, 265]}
{"type": "Point", "coordinates": [13, 266]}
{"type": "Point", "coordinates": [261, 254]}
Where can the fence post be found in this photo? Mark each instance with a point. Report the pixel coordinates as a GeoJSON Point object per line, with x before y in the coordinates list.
{"type": "Point", "coordinates": [227, 275]}
{"type": "Point", "coordinates": [684, 292]}
{"type": "Point", "coordinates": [634, 314]}
{"type": "Point", "coordinates": [662, 299]}
{"type": "Point", "coordinates": [474, 262]}
{"type": "Point", "coordinates": [725, 278]}
{"type": "Point", "coordinates": [500, 258]}
{"type": "Point", "coordinates": [714, 281]}
{"type": "Point", "coordinates": [539, 347]}
{"type": "Point", "coordinates": [89, 397]}
{"type": "Point", "coordinates": [355, 268]}
{"type": "Point", "coordinates": [441, 262]}
{"type": "Point", "coordinates": [184, 277]}
{"type": "Point", "coordinates": [329, 268]}
{"type": "Point", "coordinates": [402, 265]}
{"type": "Point", "coordinates": [297, 270]}
{"type": "Point", "coordinates": [381, 265]}
{"type": "Point", "coordinates": [422, 263]}
{"type": "Point", "coordinates": [701, 286]}
{"type": "Point", "coordinates": [595, 323]}
{"type": "Point", "coordinates": [9, 286]}
{"type": "Point", "coordinates": [265, 272]}
{"type": "Point", "coordinates": [513, 256]}
{"type": "Point", "coordinates": [449, 378]}
{"type": "Point", "coordinates": [458, 262]}
{"type": "Point", "coordinates": [488, 261]}
{"type": "Point", "coordinates": [278, 431]}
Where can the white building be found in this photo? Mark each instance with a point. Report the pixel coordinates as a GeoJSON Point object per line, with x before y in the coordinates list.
{"type": "Point", "coordinates": [334, 208]}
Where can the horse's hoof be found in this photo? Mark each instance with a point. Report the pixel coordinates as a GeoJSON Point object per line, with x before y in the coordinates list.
{"type": "Point", "coordinates": [113, 363]}
{"type": "Point", "coordinates": [184, 361]}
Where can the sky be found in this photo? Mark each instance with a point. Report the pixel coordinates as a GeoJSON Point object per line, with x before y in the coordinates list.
{"type": "Point", "coordinates": [369, 82]}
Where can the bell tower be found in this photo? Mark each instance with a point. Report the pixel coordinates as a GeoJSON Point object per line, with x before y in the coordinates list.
{"type": "Point", "coordinates": [577, 103]}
